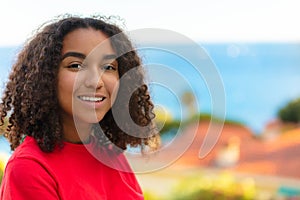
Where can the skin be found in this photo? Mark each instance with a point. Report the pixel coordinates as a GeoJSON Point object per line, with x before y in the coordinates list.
{"type": "Point", "coordinates": [86, 73]}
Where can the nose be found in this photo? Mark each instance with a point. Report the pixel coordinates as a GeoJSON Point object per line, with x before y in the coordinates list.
{"type": "Point", "coordinates": [93, 78]}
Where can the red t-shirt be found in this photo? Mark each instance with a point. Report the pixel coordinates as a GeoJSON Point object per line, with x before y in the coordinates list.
{"type": "Point", "coordinates": [67, 173]}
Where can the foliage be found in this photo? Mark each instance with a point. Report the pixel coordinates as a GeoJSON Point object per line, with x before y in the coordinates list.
{"type": "Point", "coordinates": [150, 196]}
{"type": "Point", "coordinates": [3, 127]}
{"type": "Point", "coordinates": [2, 165]}
{"type": "Point", "coordinates": [169, 126]}
{"type": "Point", "coordinates": [208, 188]}
{"type": "Point", "coordinates": [290, 112]}
{"type": "Point", "coordinates": [3, 160]}
{"type": "Point", "coordinates": [174, 124]}
{"type": "Point", "coordinates": [221, 185]}
{"type": "Point", "coordinates": [1, 175]}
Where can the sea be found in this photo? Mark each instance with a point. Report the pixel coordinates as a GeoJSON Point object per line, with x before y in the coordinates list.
{"type": "Point", "coordinates": [244, 82]}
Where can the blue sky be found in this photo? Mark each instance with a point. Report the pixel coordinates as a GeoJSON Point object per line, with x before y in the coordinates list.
{"type": "Point", "coordinates": [200, 20]}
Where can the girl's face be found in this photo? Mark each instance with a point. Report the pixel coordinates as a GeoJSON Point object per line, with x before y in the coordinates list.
{"type": "Point", "coordinates": [88, 77]}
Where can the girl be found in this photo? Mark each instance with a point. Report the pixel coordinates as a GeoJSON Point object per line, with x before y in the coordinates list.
{"type": "Point", "coordinates": [75, 99]}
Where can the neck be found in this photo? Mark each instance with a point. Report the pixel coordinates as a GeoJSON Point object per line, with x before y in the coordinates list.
{"type": "Point", "coordinates": [78, 140]}
{"type": "Point", "coordinates": [78, 134]}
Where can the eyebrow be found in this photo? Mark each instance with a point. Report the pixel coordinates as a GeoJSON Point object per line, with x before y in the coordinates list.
{"type": "Point", "coordinates": [82, 56]}
{"type": "Point", "coordinates": [73, 54]}
{"type": "Point", "coordinates": [110, 57]}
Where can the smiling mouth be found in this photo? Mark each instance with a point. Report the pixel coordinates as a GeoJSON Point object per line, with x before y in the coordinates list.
{"type": "Point", "coordinates": [91, 99]}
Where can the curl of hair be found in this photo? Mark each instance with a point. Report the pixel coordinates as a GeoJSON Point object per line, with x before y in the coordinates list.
{"type": "Point", "coordinates": [30, 98]}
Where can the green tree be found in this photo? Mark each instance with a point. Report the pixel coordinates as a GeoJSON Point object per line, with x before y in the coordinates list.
{"type": "Point", "coordinates": [189, 101]}
{"type": "Point", "coordinates": [290, 112]}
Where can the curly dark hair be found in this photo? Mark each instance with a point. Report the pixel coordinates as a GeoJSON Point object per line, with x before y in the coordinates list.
{"type": "Point", "coordinates": [30, 98]}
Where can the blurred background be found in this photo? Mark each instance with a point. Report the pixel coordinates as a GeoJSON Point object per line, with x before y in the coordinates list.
{"type": "Point", "coordinates": [254, 46]}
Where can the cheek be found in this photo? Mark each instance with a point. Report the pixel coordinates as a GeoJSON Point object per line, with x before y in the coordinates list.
{"type": "Point", "coordinates": [65, 87]}
{"type": "Point", "coordinates": [113, 87]}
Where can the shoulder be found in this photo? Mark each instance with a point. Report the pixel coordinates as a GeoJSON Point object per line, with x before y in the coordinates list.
{"type": "Point", "coordinates": [29, 148]}
{"type": "Point", "coordinates": [27, 163]}
{"type": "Point", "coordinates": [26, 178]}
{"type": "Point", "coordinates": [27, 174]}
{"type": "Point", "coordinates": [23, 169]}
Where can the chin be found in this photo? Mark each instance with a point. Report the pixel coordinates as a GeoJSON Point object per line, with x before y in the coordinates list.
{"type": "Point", "coordinates": [88, 119]}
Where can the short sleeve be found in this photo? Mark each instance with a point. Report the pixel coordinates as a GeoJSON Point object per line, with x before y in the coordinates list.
{"type": "Point", "coordinates": [27, 179]}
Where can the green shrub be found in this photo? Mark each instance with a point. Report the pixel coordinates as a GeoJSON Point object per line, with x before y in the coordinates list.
{"type": "Point", "coordinates": [291, 112]}
{"type": "Point", "coordinates": [1, 175]}
{"type": "Point", "coordinates": [222, 187]}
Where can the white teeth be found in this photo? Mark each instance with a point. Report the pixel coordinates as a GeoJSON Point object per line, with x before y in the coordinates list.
{"type": "Point", "coordinates": [92, 99]}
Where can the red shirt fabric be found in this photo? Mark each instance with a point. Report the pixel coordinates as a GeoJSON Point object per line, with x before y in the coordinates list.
{"type": "Point", "coordinates": [68, 173]}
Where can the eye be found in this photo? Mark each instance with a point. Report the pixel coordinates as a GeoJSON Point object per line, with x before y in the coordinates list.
{"type": "Point", "coordinates": [75, 66]}
{"type": "Point", "coordinates": [108, 67]}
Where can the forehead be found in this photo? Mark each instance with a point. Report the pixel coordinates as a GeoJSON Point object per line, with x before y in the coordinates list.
{"type": "Point", "coordinates": [86, 40]}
